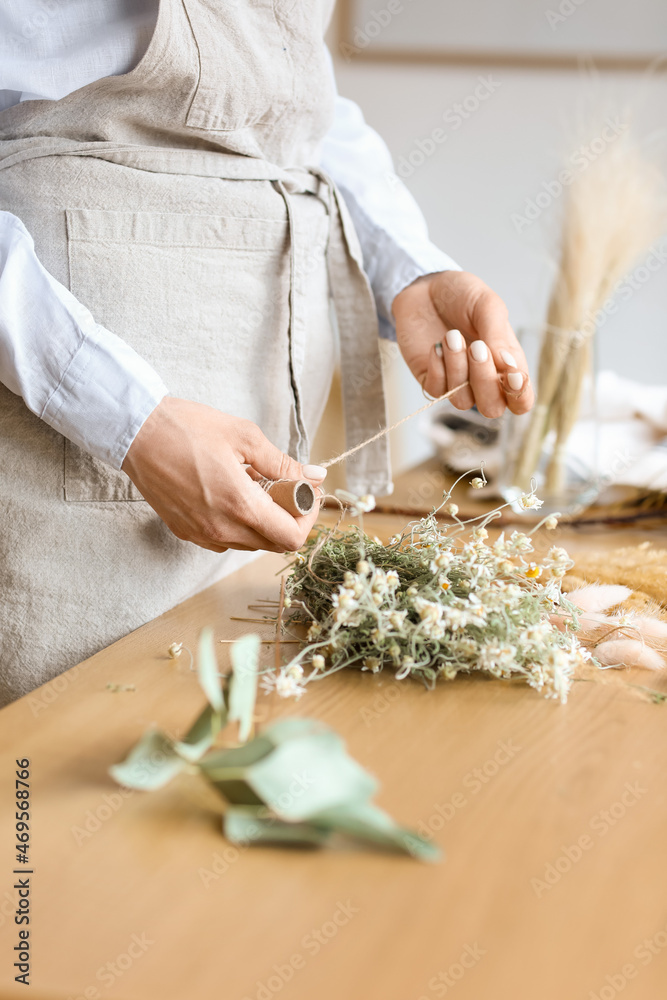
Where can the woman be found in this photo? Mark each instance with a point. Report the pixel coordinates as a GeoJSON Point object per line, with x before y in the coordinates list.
{"type": "Point", "coordinates": [167, 337]}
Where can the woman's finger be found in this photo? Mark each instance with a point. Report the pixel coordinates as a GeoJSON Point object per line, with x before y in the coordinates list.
{"type": "Point", "coordinates": [484, 382]}
{"type": "Point", "coordinates": [435, 380]}
{"type": "Point", "coordinates": [512, 369]}
{"type": "Point", "coordinates": [456, 365]}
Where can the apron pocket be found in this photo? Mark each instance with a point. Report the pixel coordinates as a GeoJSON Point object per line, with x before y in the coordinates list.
{"type": "Point", "coordinates": [202, 298]}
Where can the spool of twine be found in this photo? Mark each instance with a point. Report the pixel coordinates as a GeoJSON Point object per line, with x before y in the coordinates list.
{"type": "Point", "coordinates": [296, 496]}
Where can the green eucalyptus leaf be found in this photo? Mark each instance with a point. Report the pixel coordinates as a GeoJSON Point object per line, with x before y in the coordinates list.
{"type": "Point", "coordinates": [207, 669]}
{"type": "Point", "coordinates": [216, 763]}
{"type": "Point", "coordinates": [243, 683]}
{"type": "Point", "coordinates": [367, 822]}
{"type": "Point", "coordinates": [201, 734]}
{"type": "Point", "coordinates": [287, 729]}
{"type": "Point", "coordinates": [250, 825]}
{"type": "Point", "coordinates": [307, 775]}
{"type": "Point", "coordinates": [152, 763]}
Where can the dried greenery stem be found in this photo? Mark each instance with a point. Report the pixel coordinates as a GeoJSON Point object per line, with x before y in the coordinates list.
{"type": "Point", "coordinates": [614, 210]}
{"type": "Point", "coordinates": [437, 601]}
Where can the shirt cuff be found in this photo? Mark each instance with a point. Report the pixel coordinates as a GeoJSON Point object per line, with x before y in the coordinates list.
{"type": "Point", "coordinates": [104, 397]}
{"type": "Point", "coordinates": [77, 376]}
{"type": "Point", "coordinates": [393, 262]}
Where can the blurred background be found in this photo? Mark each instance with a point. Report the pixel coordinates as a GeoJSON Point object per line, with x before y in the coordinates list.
{"type": "Point", "coordinates": [545, 69]}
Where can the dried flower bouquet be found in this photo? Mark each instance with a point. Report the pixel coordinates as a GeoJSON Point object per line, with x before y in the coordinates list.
{"type": "Point", "coordinates": [437, 601]}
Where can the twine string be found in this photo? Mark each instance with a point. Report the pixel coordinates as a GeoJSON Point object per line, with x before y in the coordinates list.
{"type": "Point", "coordinates": [388, 430]}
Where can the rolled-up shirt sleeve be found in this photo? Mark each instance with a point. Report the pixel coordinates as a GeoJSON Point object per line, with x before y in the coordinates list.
{"type": "Point", "coordinates": [391, 228]}
{"type": "Point", "coordinates": [73, 373]}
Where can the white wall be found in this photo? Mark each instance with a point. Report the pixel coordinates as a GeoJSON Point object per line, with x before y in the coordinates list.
{"type": "Point", "coordinates": [488, 168]}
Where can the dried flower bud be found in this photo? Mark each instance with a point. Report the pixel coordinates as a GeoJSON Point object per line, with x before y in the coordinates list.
{"type": "Point", "coordinates": [477, 483]}
{"type": "Point", "coordinates": [452, 509]}
{"type": "Point", "coordinates": [175, 650]}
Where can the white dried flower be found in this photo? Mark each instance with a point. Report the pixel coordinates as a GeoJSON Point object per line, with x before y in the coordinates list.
{"type": "Point", "coordinates": [284, 685]}
{"type": "Point", "coordinates": [519, 542]}
{"type": "Point", "coordinates": [363, 505]}
{"type": "Point", "coordinates": [318, 662]}
{"type": "Point", "coordinates": [530, 502]}
{"type": "Point", "coordinates": [175, 650]}
{"type": "Point", "coordinates": [452, 509]}
{"type": "Point", "coordinates": [363, 567]}
{"type": "Point", "coordinates": [477, 483]}
{"type": "Point", "coordinates": [551, 522]}
{"type": "Point", "coordinates": [288, 687]}
{"type": "Point", "coordinates": [392, 579]}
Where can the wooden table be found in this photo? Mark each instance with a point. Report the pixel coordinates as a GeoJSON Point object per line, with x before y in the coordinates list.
{"type": "Point", "coordinates": [553, 819]}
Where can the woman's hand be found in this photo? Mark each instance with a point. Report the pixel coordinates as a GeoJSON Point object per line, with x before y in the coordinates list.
{"type": "Point", "coordinates": [188, 462]}
{"type": "Point", "coordinates": [451, 327]}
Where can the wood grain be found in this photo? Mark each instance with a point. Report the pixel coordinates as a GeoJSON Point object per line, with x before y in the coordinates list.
{"type": "Point", "coordinates": [507, 782]}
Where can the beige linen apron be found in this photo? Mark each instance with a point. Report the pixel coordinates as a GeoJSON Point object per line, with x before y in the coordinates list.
{"type": "Point", "coordinates": [179, 204]}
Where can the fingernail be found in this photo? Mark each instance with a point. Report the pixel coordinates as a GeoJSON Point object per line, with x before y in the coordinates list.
{"type": "Point", "coordinates": [509, 359]}
{"type": "Point", "coordinates": [515, 380]}
{"type": "Point", "coordinates": [454, 340]}
{"type": "Point", "coordinates": [479, 350]}
{"type": "Point", "coordinates": [438, 350]}
{"type": "Point", "coordinates": [316, 472]}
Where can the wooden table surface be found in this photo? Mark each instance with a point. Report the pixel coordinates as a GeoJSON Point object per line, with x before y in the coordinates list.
{"type": "Point", "coordinates": [552, 818]}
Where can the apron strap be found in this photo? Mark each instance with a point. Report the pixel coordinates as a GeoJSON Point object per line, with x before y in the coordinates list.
{"type": "Point", "coordinates": [364, 402]}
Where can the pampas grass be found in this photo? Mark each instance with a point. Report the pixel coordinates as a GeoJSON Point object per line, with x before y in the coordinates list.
{"type": "Point", "coordinates": [615, 209]}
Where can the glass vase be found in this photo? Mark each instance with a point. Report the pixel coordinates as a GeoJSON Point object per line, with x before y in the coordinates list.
{"type": "Point", "coordinates": [555, 447]}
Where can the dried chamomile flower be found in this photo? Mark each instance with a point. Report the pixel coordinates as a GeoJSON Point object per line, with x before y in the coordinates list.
{"type": "Point", "coordinates": [436, 602]}
{"type": "Point", "coordinates": [530, 502]}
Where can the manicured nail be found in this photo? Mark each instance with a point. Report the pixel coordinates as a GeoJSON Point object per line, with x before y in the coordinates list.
{"type": "Point", "coordinates": [438, 350]}
{"type": "Point", "coordinates": [515, 381]}
{"type": "Point", "coordinates": [315, 472]}
{"type": "Point", "coordinates": [455, 341]}
{"type": "Point", "coordinates": [479, 350]}
{"type": "Point", "coordinates": [509, 359]}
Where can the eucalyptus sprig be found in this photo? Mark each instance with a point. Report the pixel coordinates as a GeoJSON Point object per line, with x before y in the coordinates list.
{"type": "Point", "coordinates": [293, 783]}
